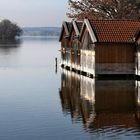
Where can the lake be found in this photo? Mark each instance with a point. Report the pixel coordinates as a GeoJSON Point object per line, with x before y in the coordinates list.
{"type": "Point", "coordinates": [39, 101]}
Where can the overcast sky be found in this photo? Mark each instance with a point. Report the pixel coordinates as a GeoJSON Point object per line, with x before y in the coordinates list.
{"type": "Point", "coordinates": [34, 12]}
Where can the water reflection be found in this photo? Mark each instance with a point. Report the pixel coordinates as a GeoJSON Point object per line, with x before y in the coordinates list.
{"type": "Point", "coordinates": [8, 46]}
{"type": "Point", "coordinates": [8, 53]}
{"type": "Point", "coordinates": [106, 108]}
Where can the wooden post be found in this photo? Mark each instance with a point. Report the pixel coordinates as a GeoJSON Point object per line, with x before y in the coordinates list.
{"type": "Point", "coordinates": [56, 65]}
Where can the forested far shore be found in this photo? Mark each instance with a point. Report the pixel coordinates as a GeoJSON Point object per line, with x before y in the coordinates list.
{"type": "Point", "coordinates": [41, 31]}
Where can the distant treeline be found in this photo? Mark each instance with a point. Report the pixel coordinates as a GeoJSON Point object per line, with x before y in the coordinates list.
{"type": "Point", "coordinates": [41, 31]}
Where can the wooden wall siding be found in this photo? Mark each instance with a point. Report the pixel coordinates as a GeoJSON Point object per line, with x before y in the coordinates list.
{"type": "Point", "coordinates": [87, 42]}
{"type": "Point", "coordinates": [63, 39]}
{"type": "Point", "coordinates": [66, 58]}
{"type": "Point", "coordinates": [115, 53]}
{"type": "Point", "coordinates": [78, 60]}
{"type": "Point", "coordinates": [87, 54]}
{"type": "Point", "coordinates": [88, 61]}
{"type": "Point", "coordinates": [63, 56]}
{"type": "Point", "coordinates": [74, 53]}
{"type": "Point", "coordinates": [75, 45]}
{"type": "Point", "coordinates": [138, 61]}
{"type": "Point", "coordinates": [114, 68]}
{"type": "Point", "coordinates": [83, 35]}
{"type": "Point", "coordinates": [115, 59]}
{"type": "Point", "coordinates": [72, 39]}
{"type": "Point", "coordinates": [138, 41]}
{"type": "Point", "coordinates": [138, 95]}
{"type": "Point", "coordinates": [65, 44]}
{"type": "Point", "coordinates": [74, 50]}
{"type": "Point", "coordinates": [73, 58]}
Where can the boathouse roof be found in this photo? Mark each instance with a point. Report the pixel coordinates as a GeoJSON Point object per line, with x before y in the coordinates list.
{"type": "Point", "coordinates": [69, 25]}
{"type": "Point", "coordinates": [66, 27]}
{"type": "Point", "coordinates": [124, 31]}
{"type": "Point", "coordinates": [77, 26]}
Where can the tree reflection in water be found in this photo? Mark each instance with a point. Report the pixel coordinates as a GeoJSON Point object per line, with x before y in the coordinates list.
{"type": "Point", "coordinates": [8, 46]}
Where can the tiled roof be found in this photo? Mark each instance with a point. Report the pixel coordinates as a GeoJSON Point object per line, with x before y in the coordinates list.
{"type": "Point", "coordinates": [115, 30]}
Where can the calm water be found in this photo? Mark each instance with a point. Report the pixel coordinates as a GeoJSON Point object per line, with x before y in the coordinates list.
{"type": "Point", "coordinates": [40, 102]}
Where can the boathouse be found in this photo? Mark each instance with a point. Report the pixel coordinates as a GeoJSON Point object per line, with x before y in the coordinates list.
{"type": "Point", "coordinates": [71, 48]}
{"type": "Point", "coordinates": [65, 43]}
{"type": "Point", "coordinates": [113, 43]}
{"type": "Point", "coordinates": [75, 44]}
{"type": "Point", "coordinates": [65, 35]}
{"type": "Point", "coordinates": [106, 47]}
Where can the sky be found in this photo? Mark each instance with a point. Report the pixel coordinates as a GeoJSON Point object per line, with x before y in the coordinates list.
{"type": "Point", "coordinates": [34, 13]}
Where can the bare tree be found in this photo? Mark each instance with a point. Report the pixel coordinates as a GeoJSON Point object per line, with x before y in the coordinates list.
{"type": "Point", "coordinates": [104, 9]}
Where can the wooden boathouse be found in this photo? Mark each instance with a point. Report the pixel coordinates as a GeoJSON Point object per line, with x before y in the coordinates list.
{"type": "Point", "coordinates": [65, 34]}
{"type": "Point", "coordinates": [105, 47]}
{"type": "Point", "coordinates": [70, 44]}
